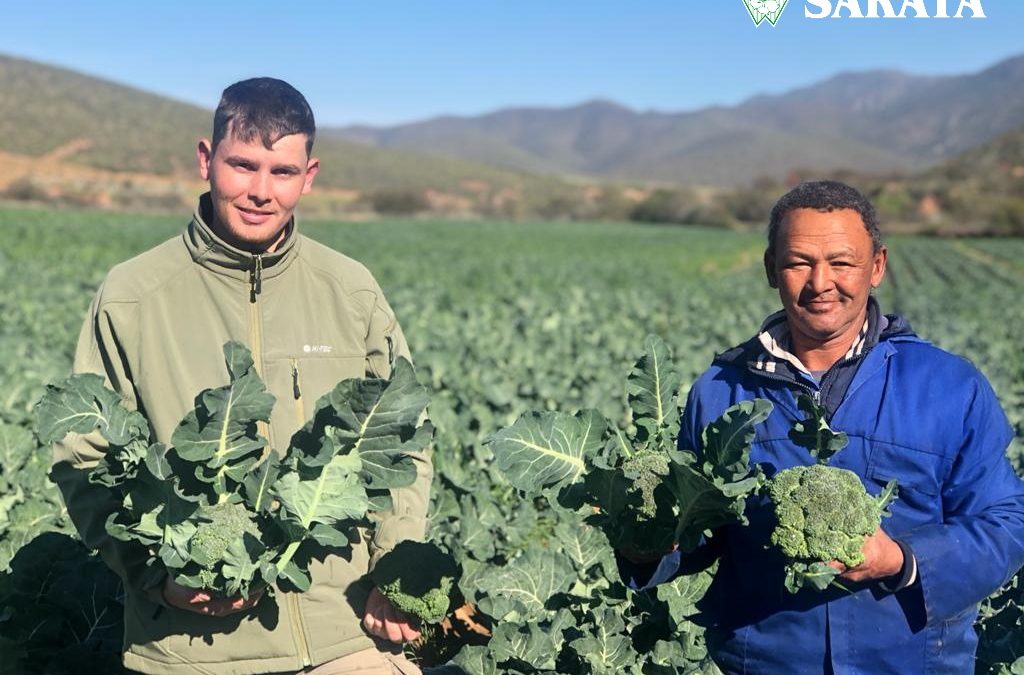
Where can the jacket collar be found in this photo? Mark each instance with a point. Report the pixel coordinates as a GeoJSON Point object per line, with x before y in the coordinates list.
{"type": "Point", "coordinates": [769, 351]}
{"type": "Point", "coordinates": [213, 253]}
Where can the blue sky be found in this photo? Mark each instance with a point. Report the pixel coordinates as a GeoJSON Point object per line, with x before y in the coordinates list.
{"type": "Point", "coordinates": [383, 62]}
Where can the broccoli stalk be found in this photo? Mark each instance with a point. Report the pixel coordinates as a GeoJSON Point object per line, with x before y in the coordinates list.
{"type": "Point", "coordinates": [822, 513]}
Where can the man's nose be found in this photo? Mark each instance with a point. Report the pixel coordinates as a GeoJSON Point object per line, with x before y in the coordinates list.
{"type": "Point", "coordinates": [821, 277]}
{"type": "Point", "coordinates": [259, 188]}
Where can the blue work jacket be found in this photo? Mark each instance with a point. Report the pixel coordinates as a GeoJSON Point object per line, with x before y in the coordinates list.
{"type": "Point", "coordinates": [915, 413]}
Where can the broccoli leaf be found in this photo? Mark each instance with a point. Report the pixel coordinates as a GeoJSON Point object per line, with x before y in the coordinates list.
{"type": "Point", "coordinates": [652, 387]}
{"type": "Point", "coordinates": [523, 588]}
{"type": "Point", "coordinates": [220, 435]}
{"type": "Point", "coordinates": [814, 433]}
{"type": "Point", "coordinates": [81, 404]}
{"type": "Point", "coordinates": [376, 420]}
{"type": "Point", "coordinates": [726, 441]}
{"type": "Point", "coordinates": [547, 449]}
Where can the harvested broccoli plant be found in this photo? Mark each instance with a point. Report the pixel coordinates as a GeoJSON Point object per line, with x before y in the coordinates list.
{"type": "Point", "coordinates": [644, 493]}
{"type": "Point", "coordinates": [221, 510]}
{"type": "Point", "coordinates": [822, 513]}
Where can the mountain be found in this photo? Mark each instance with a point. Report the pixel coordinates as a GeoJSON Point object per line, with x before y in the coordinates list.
{"type": "Point", "coordinates": [873, 121]}
{"type": "Point", "coordinates": [56, 113]}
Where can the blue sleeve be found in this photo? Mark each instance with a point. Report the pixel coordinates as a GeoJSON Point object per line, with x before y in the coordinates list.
{"type": "Point", "coordinates": [980, 544]}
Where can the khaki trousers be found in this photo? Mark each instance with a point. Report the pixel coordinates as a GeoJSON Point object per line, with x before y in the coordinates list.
{"type": "Point", "coordinates": [366, 662]}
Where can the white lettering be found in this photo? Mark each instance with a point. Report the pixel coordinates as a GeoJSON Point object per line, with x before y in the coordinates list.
{"type": "Point", "coordinates": [887, 11]}
{"type": "Point", "coordinates": [977, 11]}
{"type": "Point", "coordinates": [920, 11]}
{"type": "Point", "coordinates": [853, 6]}
{"type": "Point", "coordinates": [824, 5]}
{"type": "Point", "coordinates": [884, 9]}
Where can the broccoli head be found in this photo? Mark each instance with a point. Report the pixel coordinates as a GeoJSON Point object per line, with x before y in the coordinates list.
{"type": "Point", "coordinates": [822, 514]}
{"type": "Point", "coordinates": [647, 468]}
{"type": "Point", "coordinates": [418, 579]}
{"type": "Point", "coordinates": [220, 525]}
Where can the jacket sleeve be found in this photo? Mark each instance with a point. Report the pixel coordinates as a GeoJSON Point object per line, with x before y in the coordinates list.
{"type": "Point", "coordinates": [980, 544]}
{"type": "Point", "coordinates": [99, 351]}
{"type": "Point", "coordinates": [408, 519]}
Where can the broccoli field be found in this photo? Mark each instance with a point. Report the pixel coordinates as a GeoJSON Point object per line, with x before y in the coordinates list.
{"type": "Point", "coordinates": [501, 318]}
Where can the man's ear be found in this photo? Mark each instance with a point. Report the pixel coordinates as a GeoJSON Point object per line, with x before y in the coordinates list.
{"type": "Point", "coordinates": [204, 155]}
{"type": "Point", "coordinates": [769, 269]}
{"type": "Point", "coordinates": [312, 168]}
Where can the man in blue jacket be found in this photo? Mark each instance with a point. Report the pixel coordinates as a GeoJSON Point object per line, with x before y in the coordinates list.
{"type": "Point", "coordinates": [912, 412]}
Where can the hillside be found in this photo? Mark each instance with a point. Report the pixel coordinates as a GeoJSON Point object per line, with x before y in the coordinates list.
{"type": "Point", "coordinates": [62, 115]}
{"type": "Point", "coordinates": [868, 122]}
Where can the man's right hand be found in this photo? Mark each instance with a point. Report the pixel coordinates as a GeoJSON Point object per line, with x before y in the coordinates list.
{"type": "Point", "coordinates": [201, 602]}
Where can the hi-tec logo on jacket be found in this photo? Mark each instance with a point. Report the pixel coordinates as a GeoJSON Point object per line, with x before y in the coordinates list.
{"type": "Point", "coordinates": [765, 9]}
{"type": "Point", "coordinates": [760, 10]}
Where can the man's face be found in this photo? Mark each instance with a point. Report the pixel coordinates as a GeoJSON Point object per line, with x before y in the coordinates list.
{"type": "Point", "coordinates": [254, 190]}
{"type": "Point", "coordinates": [824, 267]}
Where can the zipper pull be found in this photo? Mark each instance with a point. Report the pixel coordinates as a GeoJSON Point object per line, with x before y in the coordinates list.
{"type": "Point", "coordinates": [256, 277]}
{"type": "Point", "coordinates": [295, 381]}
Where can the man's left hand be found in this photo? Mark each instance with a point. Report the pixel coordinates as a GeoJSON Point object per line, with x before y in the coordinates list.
{"type": "Point", "coordinates": [882, 558]}
{"type": "Point", "coordinates": [384, 621]}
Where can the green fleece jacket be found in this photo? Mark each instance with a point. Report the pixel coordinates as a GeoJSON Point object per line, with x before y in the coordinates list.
{"type": "Point", "coordinates": [155, 330]}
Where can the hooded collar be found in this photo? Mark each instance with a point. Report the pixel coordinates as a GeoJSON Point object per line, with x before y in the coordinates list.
{"type": "Point", "coordinates": [770, 352]}
{"type": "Point", "coordinates": [213, 253]}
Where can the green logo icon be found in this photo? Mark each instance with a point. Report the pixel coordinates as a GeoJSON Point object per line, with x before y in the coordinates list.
{"type": "Point", "coordinates": [765, 9]}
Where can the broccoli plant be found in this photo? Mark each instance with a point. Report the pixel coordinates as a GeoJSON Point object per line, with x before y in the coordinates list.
{"type": "Point", "coordinates": [643, 493]}
{"type": "Point", "coordinates": [419, 579]}
{"type": "Point", "coordinates": [221, 510]}
{"type": "Point", "coordinates": [822, 513]}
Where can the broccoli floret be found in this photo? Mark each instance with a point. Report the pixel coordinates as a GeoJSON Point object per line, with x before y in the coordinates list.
{"type": "Point", "coordinates": [822, 514]}
{"type": "Point", "coordinates": [431, 607]}
{"type": "Point", "coordinates": [220, 525]}
{"type": "Point", "coordinates": [647, 468]}
{"type": "Point", "coordinates": [418, 579]}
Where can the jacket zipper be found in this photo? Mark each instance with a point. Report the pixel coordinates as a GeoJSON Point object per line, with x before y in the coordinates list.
{"type": "Point", "coordinates": [256, 339]}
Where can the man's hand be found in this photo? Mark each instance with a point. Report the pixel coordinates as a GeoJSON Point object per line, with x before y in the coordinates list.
{"type": "Point", "coordinates": [882, 558]}
{"type": "Point", "coordinates": [201, 602]}
{"type": "Point", "coordinates": [384, 621]}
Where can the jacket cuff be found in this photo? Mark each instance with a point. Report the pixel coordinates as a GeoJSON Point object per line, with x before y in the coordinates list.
{"type": "Point", "coordinates": [907, 575]}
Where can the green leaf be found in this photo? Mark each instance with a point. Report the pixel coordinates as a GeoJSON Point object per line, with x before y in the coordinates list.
{"type": "Point", "coordinates": [817, 575]}
{"type": "Point", "coordinates": [528, 644]}
{"type": "Point", "coordinates": [605, 646]}
{"type": "Point", "coordinates": [328, 496]}
{"type": "Point", "coordinates": [525, 585]}
{"type": "Point", "coordinates": [296, 576]}
{"type": "Point", "coordinates": [82, 404]}
{"type": "Point", "coordinates": [814, 433]}
{"type": "Point", "coordinates": [221, 431]}
{"type": "Point", "coordinates": [727, 440]}
{"type": "Point", "coordinates": [547, 449]}
{"type": "Point", "coordinates": [472, 660]}
{"type": "Point", "coordinates": [259, 481]}
{"type": "Point", "coordinates": [706, 503]}
{"type": "Point", "coordinates": [652, 388]}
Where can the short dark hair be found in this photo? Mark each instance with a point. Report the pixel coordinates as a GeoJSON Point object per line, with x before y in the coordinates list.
{"type": "Point", "coordinates": [266, 108]}
{"type": "Point", "coordinates": [824, 196]}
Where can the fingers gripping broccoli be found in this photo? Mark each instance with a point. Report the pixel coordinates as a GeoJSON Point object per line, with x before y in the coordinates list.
{"type": "Point", "coordinates": [418, 579]}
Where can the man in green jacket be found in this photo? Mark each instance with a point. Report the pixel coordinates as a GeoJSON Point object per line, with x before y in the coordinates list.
{"type": "Point", "coordinates": [311, 316]}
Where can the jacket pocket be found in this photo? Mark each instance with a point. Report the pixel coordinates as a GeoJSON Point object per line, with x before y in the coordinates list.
{"type": "Point", "coordinates": [919, 478]}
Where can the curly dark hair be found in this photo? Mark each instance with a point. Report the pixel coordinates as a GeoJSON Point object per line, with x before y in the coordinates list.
{"type": "Point", "coordinates": [264, 108]}
{"type": "Point", "coordinates": [824, 196]}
